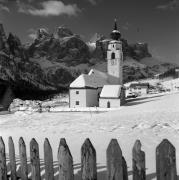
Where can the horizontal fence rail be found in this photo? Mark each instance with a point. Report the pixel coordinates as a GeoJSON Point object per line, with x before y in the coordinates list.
{"type": "Point", "coordinates": [115, 161]}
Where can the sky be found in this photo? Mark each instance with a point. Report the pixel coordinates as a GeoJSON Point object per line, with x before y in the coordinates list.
{"type": "Point", "coordinates": [152, 21]}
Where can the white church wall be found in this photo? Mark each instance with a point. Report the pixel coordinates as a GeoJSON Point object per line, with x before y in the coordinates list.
{"type": "Point", "coordinates": [114, 103]}
{"type": "Point", "coordinates": [114, 63]}
{"type": "Point", "coordinates": [77, 98]}
{"type": "Point", "coordinates": [83, 98]}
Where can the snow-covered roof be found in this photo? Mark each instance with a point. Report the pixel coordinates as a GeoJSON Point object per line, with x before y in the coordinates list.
{"type": "Point", "coordinates": [102, 78]}
{"type": "Point", "coordinates": [114, 41]}
{"type": "Point", "coordinates": [116, 31]}
{"type": "Point", "coordinates": [111, 91]}
{"type": "Point", "coordinates": [98, 74]}
{"type": "Point", "coordinates": [95, 79]}
{"type": "Point", "coordinates": [83, 81]}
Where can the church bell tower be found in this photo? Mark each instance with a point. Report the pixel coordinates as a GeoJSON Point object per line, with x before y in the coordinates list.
{"type": "Point", "coordinates": [115, 56]}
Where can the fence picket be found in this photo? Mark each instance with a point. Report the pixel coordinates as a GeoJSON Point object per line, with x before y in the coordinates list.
{"type": "Point", "coordinates": [88, 161]}
{"type": "Point", "coordinates": [48, 160]}
{"type": "Point", "coordinates": [23, 160]}
{"type": "Point", "coordinates": [166, 161]}
{"type": "Point", "coordinates": [124, 166]}
{"type": "Point", "coordinates": [114, 161]}
{"type": "Point", "coordinates": [3, 168]}
{"type": "Point", "coordinates": [116, 164]}
{"type": "Point", "coordinates": [138, 162]}
{"type": "Point", "coordinates": [12, 159]}
{"type": "Point", "coordinates": [35, 160]}
{"type": "Point", "coordinates": [65, 161]}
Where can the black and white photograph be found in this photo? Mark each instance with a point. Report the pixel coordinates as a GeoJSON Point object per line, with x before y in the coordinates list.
{"type": "Point", "coordinates": [89, 89]}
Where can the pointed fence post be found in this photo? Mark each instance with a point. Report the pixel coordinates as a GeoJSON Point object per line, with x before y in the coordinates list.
{"type": "Point", "coordinates": [88, 161]}
{"type": "Point", "coordinates": [65, 161]}
{"type": "Point", "coordinates": [166, 161]}
{"type": "Point", "coordinates": [3, 168]}
{"type": "Point", "coordinates": [138, 162]}
{"type": "Point", "coordinates": [35, 159]}
{"type": "Point", "coordinates": [23, 160]}
{"type": "Point", "coordinates": [48, 160]}
{"type": "Point", "coordinates": [124, 166]}
{"type": "Point", "coordinates": [114, 161]}
{"type": "Point", "coordinates": [12, 159]}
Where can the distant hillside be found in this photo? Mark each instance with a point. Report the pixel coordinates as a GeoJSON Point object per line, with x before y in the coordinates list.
{"type": "Point", "coordinates": [53, 60]}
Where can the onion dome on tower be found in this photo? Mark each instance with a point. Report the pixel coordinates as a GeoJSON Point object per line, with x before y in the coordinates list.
{"type": "Point", "coordinates": [115, 35]}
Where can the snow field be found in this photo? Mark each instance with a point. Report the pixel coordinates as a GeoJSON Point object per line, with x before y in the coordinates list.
{"type": "Point", "coordinates": [150, 119]}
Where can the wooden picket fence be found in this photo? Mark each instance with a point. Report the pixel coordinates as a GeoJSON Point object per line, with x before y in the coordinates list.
{"type": "Point", "coordinates": [116, 164]}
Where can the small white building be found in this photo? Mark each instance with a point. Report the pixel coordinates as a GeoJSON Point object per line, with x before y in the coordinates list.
{"type": "Point", "coordinates": [83, 92]}
{"type": "Point", "coordinates": [112, 96]}
{"type": "Point", "coordinates": [139, 88]}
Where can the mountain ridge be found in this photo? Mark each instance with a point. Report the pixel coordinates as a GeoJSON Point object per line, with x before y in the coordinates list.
{"type": "Point", "coordinates": [53, 60]}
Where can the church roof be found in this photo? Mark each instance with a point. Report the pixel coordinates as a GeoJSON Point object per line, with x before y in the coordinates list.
{"type": "Point", "coordinates": [114, 41]}
{"type": "Point", "coordinates": [94, 79]}
{"type": "Point", "coordinates": [99, 75]}
{"type": "Point", "coordinates": [111, 91]}
{"type": "Point", "coordinates": [83, 81]}
{"type": "Point", "coordinates": [115, 35]}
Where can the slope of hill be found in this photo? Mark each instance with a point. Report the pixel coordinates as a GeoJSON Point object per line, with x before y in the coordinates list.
{"type": "Point", "coordinates": [54, 60]}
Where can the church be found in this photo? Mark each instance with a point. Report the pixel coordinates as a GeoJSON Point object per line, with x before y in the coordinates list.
{"type": "Point", "coordinates": [99, 89]}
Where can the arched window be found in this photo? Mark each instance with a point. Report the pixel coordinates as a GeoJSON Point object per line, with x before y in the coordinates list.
{"type": "Point", "coordinates": [113, 56]}
{"type": "Point", "coordinates": [108, 104]}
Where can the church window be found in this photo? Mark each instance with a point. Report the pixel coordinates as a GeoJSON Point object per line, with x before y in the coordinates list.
{"type": "Point", "coordinates": [113, 56]}
{"type": "Point", "coordinates": [77, 103]}
{"type": "Point", "coordinates": [108, 104]}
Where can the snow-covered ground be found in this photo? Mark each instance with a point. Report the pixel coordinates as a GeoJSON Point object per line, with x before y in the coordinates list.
{"type": "Point", "coordinates": [150, 119]}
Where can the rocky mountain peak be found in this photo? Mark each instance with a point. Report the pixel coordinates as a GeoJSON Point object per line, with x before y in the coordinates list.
{"type": "Point", "coordinates": [3, 38]}
{"type": "Point", "coordinates": [42, 34]}
{"type": "Point", "coordinates": [54, 60]}
{"type": "Point", "coordinates": [137, 51]}
{"type": "Point", "coordinates": [14, 45]}
{"type": "Point", "coordinates": [62, 32]}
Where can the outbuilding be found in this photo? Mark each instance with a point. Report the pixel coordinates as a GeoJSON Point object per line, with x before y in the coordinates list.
{"type": "Point", "coordinates": [112, 96]}
{"type": "Point", "coordinates": [139, 88]}
{"type": "Point", "coordinates": [84, 92]}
